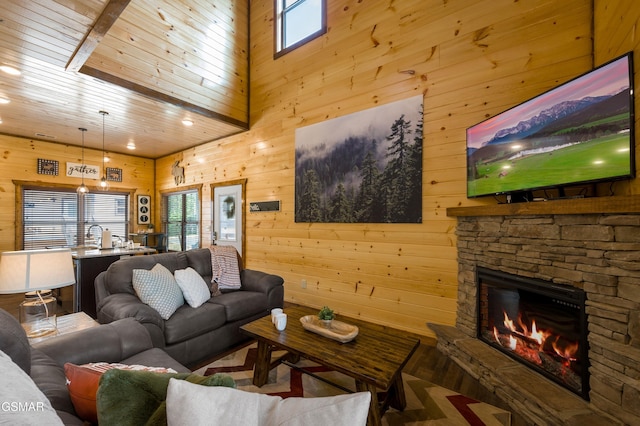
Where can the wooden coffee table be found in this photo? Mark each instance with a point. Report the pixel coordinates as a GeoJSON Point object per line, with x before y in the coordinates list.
{"type": "Point", "coordinates": [375, 358]}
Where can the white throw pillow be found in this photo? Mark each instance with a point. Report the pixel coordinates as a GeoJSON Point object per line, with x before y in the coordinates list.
{"type": "Point", "coordinates": [194, 289]}
{"type": "Point", "coordinates": [158, 288]}
{"type": "Point", "coordinates": [191, 404]}
{"type": "Point", "coordinates": [22, 402]}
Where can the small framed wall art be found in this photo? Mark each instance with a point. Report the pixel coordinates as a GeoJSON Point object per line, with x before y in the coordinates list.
{"type": "Point", "coordinates": [47, 167]}
{"type": "Point", "coordinates": [144, 209]}
{"type": "Point", "coordinates": [114, 175]}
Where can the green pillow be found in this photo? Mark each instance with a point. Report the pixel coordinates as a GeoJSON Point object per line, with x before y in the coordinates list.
{"type": "Point", "coordinates": [127, 397]}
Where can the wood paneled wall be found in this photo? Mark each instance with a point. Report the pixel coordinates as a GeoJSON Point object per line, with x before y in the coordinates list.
{"type": "Point", "coordinates": [470, 60]}
{"type": "Point", "coordinates": [615, 33]}
{"type": "Point", "coordinates": [19, 161]}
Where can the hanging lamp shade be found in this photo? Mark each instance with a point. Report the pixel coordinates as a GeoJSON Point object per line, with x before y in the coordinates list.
{"type": "Point", "coordinates": [82, 189]}
{"type": "Point", "coordinates": [103, 185]}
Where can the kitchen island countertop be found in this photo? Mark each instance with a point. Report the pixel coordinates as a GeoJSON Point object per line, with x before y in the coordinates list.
{"type": "Point", "coordinates": [84, 253]}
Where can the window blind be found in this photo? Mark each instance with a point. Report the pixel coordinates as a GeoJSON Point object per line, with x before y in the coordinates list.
{"type": "Point", "coordinates": [61, 218]}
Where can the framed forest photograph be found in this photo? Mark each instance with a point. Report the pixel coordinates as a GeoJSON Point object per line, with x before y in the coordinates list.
{"type": "Point", "coordinates": [364, 167]}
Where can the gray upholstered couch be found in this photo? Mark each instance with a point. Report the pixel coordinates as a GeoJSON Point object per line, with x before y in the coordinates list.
{"type": "Point", "coordinates": [190, 335]}
{"type": "Point", "coordinates": [124, 341]}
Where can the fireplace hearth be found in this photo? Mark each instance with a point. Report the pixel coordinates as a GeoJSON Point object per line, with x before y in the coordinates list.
{"type": "Point", "coordinates": [538, 323]}
{"type": "Point", "coordinates": [590, 245]}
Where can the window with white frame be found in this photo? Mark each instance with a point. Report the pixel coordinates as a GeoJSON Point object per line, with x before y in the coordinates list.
{"type": "Point", "coordinates": [298, 22]}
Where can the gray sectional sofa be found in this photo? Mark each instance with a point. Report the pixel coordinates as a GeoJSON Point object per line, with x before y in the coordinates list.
{"type": "Point", "coordinates": [123, 341]}
{"type": "Point", "coordinates": [190, 335]}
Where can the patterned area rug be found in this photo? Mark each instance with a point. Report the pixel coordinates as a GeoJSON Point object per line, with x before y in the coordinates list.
{"type": "Point", "coordinates": [427, 404]}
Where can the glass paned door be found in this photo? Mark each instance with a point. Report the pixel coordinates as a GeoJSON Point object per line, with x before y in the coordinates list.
{"type": "Point", "coordinates": [182, 220]}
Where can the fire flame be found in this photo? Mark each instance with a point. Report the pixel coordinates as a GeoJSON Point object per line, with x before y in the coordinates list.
{"type": "Point", "coordinates": [523, 339]}
{"type": "Point", "coordinates": [508, 322]}
{"type": "Point", "coordinates": [568, 352]}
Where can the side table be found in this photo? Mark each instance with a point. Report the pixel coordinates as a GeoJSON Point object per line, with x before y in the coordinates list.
{"type": "Point", "coordinates": [68, 324]}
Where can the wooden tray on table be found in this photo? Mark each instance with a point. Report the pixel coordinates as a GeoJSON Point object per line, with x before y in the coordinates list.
{"type": "Point", "coordinates": [337, 330]}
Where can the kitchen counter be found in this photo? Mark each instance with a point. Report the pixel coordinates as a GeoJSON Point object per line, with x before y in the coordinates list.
{"type": "Point", "coordinates": [83, 253]}
{"type": "Point", "coordinates": [89, 262]}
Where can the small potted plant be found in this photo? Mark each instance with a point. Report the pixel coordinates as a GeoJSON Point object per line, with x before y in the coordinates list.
{"type": "Point", "coordinates": [326, 315]}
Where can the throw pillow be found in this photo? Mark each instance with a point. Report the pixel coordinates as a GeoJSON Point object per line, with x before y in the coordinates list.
{"type": "Point", "coordinates": [18, 390]}
{"type": "Point", "coordinates": [194, 289]}
{"type": "Point", "coordinates": [138, 397]}
{"type": "Point", "coordinates": [224, 267]}
{"type": "Point", "coordinates": [190, 404]}
{"type": "Point", "coordinates": [82, 381]}
{"type": "Point", "coordinates": [158, 288]}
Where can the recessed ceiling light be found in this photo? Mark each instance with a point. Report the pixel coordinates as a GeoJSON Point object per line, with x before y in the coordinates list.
{"type": "Point", "coordinates": [131, 146]}
{"type": "Point", "coordinates": [10, 70]}
{"type": "Point", "coordinates": [4, 101]}
{"type": "Point", "coordinates": [187, 122]}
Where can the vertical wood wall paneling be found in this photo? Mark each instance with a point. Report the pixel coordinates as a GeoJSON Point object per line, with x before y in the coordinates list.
{"type": "Point", "coordinates": [615, 33]}
{"type": "Point", "coordinates": [470, 60]}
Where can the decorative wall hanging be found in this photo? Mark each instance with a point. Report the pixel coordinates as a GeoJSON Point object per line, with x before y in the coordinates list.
{"type": "Point", "coordinates": [264, 206]}
{"type": "Point", "coordinates": [177, 172]}
{"type": "Point", "coordinates": [144, 209]}
{"type": "Point", "coordinates": [83, 170]}
{"type": "Point", "coordinates": [114, 174]}
{"type": "Point", "coordinates": [364, 167]}
{"type": "Point", "coordinates": [47, 167]}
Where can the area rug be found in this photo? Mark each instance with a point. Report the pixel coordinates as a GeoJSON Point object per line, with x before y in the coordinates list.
{"type": "Point", "coordinates": [427, 404]}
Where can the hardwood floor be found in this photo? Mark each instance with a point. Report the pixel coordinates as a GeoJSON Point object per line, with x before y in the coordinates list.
{"type": "Point", "coordinates": [428, 363]}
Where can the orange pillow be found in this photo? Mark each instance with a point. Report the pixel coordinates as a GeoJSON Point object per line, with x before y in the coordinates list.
{"type": "Point", "coordinates": [83, 380]}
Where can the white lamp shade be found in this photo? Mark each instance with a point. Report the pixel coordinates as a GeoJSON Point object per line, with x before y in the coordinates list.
{"type": "Point", "coordinates": [31, 270]}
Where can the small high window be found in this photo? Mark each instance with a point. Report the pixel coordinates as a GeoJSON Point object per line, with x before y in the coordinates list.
{"type": "Point", "coordinates": [298, 22]}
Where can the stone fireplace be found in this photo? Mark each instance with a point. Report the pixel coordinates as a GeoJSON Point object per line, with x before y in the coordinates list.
{"type": "Point", "coordinates": [591, 244]}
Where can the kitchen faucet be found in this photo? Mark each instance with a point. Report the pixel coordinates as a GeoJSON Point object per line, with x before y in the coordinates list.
{"type": "Point", "coordinates": [91, 227]}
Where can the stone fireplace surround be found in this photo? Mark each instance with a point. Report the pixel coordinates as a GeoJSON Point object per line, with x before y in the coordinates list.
{"type": "Point", "coordinates": [593, 244]}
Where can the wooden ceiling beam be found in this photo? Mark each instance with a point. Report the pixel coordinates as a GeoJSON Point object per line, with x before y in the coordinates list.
{"type": "Point", "coordinates": [107, 18]}
{"type": "Point", "coordinates": [161, 97]}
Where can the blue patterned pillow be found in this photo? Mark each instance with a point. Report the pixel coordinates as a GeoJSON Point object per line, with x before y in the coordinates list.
{"type": "Point", "coordinates": [158, 288]}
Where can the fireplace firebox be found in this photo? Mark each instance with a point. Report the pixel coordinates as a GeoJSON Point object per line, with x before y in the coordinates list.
{"type": "Point", "coordinates": [539, 323]}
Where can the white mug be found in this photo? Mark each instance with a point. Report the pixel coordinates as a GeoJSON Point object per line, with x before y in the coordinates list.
{"type": "Point", "coordinates": [281, 322]}
{"type": "Point", "coordinates": [274, 312]}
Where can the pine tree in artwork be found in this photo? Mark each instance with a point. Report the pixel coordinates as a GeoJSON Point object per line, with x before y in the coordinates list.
{"type": "Point", "coordinates": [414, 211]}
{"type": "Point", "coordinates": [311, 210]}
{"type": "Point", "coordinates": [340, 209]}
{"type": "Point", "coordinates": [367, 200]}
{"type": "Point", "coordinates": [397, 176]}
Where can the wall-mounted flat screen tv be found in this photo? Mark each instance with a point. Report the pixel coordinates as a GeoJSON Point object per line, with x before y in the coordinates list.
{"type": "Point", "coordinates": [579, 132]}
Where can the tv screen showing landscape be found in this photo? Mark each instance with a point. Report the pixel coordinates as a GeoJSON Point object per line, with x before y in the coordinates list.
{"type": "Point", "coordinates": [579, 132]}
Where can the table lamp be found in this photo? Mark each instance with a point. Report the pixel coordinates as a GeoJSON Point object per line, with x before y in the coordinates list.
{"type": "Point", "coordinates": [36, 272]}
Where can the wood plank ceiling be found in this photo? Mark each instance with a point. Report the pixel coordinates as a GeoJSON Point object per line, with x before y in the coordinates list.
{"type": "Point", "coordinates": [150, 65]}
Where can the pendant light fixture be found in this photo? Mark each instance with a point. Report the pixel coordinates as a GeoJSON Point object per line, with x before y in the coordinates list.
{"type": "Point", "coordinates": [104, 183]}
{"type": "Point", "coordinates": [82, 189]}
